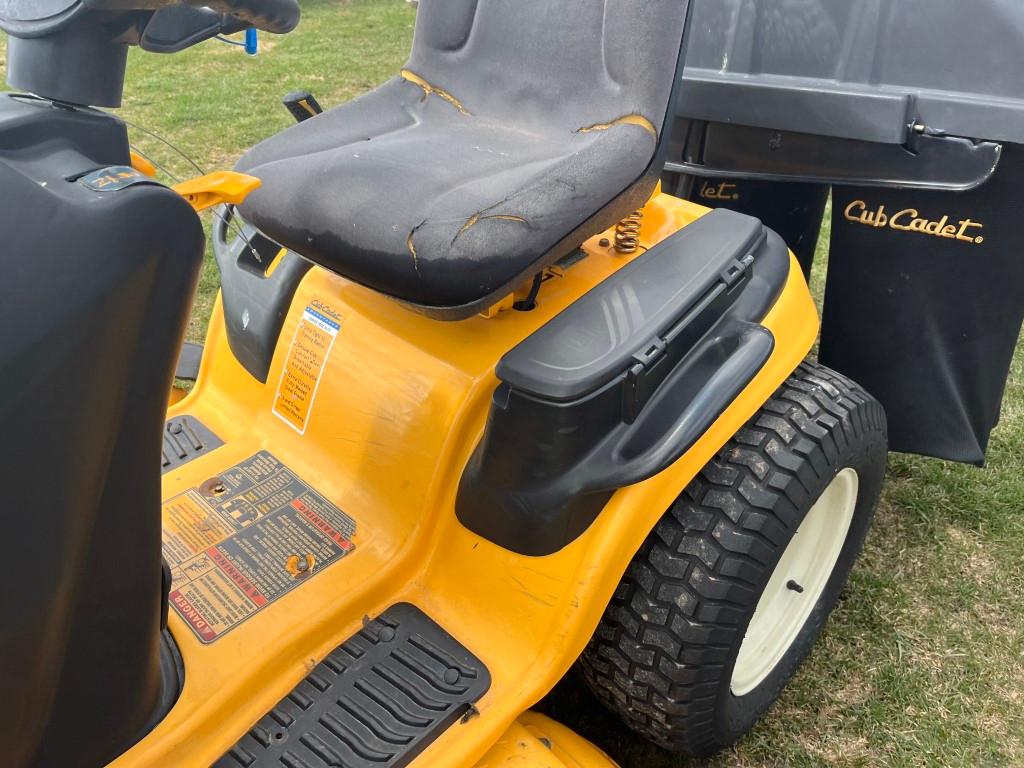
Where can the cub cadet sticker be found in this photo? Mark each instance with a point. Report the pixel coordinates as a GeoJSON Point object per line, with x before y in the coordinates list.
{"type": "Point", "coordinates": [244, 539]}
{"type": "Point", "coordinates": [911, 220]}
{"type": "Point", "coordinates": [314, 338]}
{"type": "Point", "coordinates": [723, 191]}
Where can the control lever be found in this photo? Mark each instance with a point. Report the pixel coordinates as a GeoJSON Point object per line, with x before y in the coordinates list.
{"type": "Point", "coordinates": [302, 105]}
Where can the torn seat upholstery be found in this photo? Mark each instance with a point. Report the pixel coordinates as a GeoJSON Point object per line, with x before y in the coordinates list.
{"type": "Point", "coordinates": [518, 129]}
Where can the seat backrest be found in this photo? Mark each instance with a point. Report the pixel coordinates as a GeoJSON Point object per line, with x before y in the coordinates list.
{"type": "Point", "coordinates": [553, 64]}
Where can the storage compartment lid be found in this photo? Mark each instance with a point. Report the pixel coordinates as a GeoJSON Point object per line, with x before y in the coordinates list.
{"type": "Point", "coordinates": [600, 335]}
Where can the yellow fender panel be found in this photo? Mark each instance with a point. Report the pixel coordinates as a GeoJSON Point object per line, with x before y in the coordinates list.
{"type": "Point", "coordinates": [400, 404]}
{"type": "Point", "coordinates": [536, 741]}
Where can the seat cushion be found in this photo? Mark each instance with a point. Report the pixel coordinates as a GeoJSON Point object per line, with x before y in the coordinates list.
{"type": "Point", "coordinates": [422, 202]}
{"type": "Point", "coordinates": [516, 131]}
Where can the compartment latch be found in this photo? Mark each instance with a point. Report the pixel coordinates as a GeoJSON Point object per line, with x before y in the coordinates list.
{"type": "Point", "coordinates": [737, 270]}
{"type": "Point", "coordinates": [637, 390]}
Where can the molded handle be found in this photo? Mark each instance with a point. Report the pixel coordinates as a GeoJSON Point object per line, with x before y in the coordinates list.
{"type": "Point", "coordinates": [699, 391]}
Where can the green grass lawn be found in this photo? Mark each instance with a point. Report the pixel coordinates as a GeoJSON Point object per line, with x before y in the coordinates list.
{"type": "Point", "coordinates": [922, 663]}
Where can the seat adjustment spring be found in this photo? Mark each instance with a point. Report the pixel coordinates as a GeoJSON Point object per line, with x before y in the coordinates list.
{"type": "Point", "coordinates": [627, 233]}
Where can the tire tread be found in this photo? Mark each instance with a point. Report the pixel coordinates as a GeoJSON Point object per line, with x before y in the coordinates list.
{"type": "Point", "coordinates": [659, 654]}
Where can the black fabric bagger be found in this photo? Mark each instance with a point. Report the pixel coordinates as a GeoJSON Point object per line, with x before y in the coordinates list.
{"type": "Point", "coordinates": [516, 131]}
{"type": "Point", "coordinates": [924, 304]}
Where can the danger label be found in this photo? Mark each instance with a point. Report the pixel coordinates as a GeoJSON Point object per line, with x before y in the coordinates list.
{"type": "Point", "coordinates": [242, 540]}
{"type": "Point", "coordinates": [314, 338]}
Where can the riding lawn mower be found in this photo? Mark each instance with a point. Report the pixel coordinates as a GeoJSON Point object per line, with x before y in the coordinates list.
{"type": "Point", "coordinates": [478, 402]}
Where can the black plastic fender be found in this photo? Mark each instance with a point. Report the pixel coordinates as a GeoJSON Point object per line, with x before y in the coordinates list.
{"type": "Point", "coordinates": [620, 385]}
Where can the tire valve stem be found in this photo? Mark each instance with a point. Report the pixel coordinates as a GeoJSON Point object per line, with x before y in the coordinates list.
{"type": "Point", "coordinates": [792, 585]}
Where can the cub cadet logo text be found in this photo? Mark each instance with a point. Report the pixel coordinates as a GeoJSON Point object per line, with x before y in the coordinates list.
{"type": "Point", "coordinates": [327, 309]}
{"type": "Point", "coordinates": [723, 191]}
{"type": "Point", "coordinates": [910, 220]}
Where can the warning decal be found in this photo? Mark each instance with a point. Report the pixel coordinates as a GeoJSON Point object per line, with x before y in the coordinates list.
{"type": "Point", "coordinates": [318, 328]}
{"type": "Point", "coordinates": [241, 540]}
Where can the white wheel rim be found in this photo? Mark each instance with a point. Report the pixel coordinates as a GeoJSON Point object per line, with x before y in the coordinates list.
{"type": "Point", "coordinates": [807, 563]}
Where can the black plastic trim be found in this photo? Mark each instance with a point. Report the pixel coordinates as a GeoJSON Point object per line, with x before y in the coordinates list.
{"type": "Point", "coordinates": [594, 340]}
{"type": "Point", "coordinates": [189, 360]}
{"type": "Point", "coordinates": [255, 304]}
{"type": "Point", "coordinates": [922, 160]}
{"type": "Point", "coordinates": [97, 290]}
{"type": "Point", "coordinates": [172, 681]}
{"type": "Point", "coordinates": [626, 404]}
{"type": "Point", "coordinates": [174, 28]}
{"type": "Point", "coordinates": [186, 438]}
{"type": "Point", "coordinates": [377, 701]}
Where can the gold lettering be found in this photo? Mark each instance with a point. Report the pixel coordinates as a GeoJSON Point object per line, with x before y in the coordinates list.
{"type": "Point", "coordinates": [912, 220]}
{"type": "Point", "coordinates": [858, 212]}
{"type": "Point", "coordinates": [963, 234]}
{"type": "Point", "coordinates": [897, 220]}
{"type": "Point", "coordinates": [723, 191]}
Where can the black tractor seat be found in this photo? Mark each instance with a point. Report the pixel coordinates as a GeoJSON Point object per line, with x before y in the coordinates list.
{"type": "Point", "coordinates": [516, 131]}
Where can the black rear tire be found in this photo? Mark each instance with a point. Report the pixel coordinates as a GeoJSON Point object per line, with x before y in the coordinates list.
{"type": "Point", "coordinates": [664, 653]}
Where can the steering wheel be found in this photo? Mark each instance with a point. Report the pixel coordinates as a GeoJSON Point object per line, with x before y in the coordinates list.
{"type": "Point", "coordinates": [276, 16]}
{"type": "Point", "coordinates": [179, 25]}
{"type": "Point", "coordinates": [43, 18]}
{"type": "Point", "coordinates": [75, 51]}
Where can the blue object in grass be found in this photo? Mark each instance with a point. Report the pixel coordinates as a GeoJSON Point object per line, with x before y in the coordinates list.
{"type": "Point", "coordinates": [252, 42]}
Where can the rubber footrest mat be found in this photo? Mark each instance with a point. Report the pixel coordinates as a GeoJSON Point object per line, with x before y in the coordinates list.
{"type": "Point", "coordinates": [379, 700]}
{"type": "Point", "coordinates": [185, 438]}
